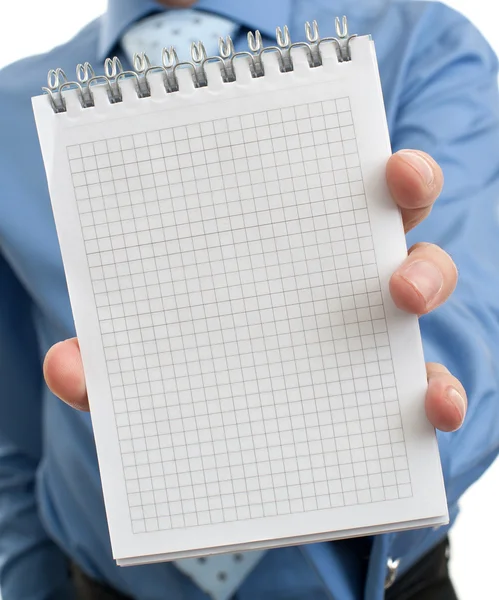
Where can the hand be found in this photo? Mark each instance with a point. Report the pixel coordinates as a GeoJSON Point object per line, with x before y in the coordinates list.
{"type": "Point", "coordinates": [423, 282]}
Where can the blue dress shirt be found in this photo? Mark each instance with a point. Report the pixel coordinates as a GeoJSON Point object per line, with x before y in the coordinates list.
{"type": "Point", "coordinates": [440, 84]}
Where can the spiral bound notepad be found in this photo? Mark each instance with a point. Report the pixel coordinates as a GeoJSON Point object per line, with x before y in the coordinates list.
{"type": "Point", "coordinates": [228, 239]}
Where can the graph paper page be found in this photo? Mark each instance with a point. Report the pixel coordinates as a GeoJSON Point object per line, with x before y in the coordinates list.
{"type": "Point", "coordinates": [228, 253]}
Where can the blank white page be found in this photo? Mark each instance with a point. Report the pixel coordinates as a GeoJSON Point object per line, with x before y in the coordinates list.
{"type": "Point", "coordinates": [228, 252]}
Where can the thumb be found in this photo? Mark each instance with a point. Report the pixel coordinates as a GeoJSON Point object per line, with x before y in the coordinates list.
{"type": "Point", "coordinates": [63, 372]}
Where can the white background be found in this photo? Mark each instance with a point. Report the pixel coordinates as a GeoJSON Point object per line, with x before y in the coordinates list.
{"type": "Point", "coordinates": [35, 26]}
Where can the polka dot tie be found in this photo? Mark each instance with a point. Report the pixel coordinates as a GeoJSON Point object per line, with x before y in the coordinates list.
{"type": "Point", "coordinates": [218, 576]}
{"type": "Point", "coordinates": [177, 28]}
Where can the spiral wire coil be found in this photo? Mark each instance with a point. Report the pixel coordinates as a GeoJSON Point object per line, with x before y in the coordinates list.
{"type": "Point", "coordinates": [114, 73]}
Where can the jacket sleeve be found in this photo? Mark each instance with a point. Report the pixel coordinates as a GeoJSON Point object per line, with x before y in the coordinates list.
{"type": "Point", "coordinates": [449, 108]}
{"type": "Point", "coordinates": [31, 566]}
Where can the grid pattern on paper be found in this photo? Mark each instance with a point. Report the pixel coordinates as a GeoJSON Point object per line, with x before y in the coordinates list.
{"type": "Point", "coordinates": [239, 303]}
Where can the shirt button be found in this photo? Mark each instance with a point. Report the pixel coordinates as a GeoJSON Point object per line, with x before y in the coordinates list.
{"type": "Point", "coordinates": [392, 568]}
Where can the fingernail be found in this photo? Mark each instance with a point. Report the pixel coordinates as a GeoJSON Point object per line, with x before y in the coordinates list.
{"type": "Point", "coordinates": [457, 400]}
{"type": "Point", "coordinates": [425, 277]}
{"type": "Point", "coordinates": [420, 164]}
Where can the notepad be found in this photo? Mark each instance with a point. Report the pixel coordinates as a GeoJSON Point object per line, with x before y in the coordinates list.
{"type": "Point", "coordinates": [228, 239]}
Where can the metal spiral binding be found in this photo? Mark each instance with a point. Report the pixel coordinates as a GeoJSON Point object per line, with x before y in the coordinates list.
{"type": "Point", "coordinates": [86, 79]}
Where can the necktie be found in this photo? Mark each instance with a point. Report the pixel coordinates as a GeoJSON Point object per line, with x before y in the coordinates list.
{"type": "Point", "coordinates": [219, 576]}
{"type": "Point", "coordinates": [177, 28]}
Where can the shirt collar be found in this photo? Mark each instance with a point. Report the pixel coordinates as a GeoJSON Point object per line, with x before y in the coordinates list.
{"type": "Point", "coordinates": [264, 15]}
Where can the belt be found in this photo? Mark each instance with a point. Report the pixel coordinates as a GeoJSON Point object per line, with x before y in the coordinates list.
{"type": "Point", "coordinates": [426, 580]}
{"type": "Point", "coordinates": [87, 588]}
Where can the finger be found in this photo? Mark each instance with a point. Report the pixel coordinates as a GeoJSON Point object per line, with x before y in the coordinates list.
{"type": "Point", "coordinates": [425, 280]}
{"type": "Point", "coordinates": [415, 181]}
{"type": "Point", "coordinates": [63, 371]}
{"type": "Point", "coordinates": [446, 401]}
